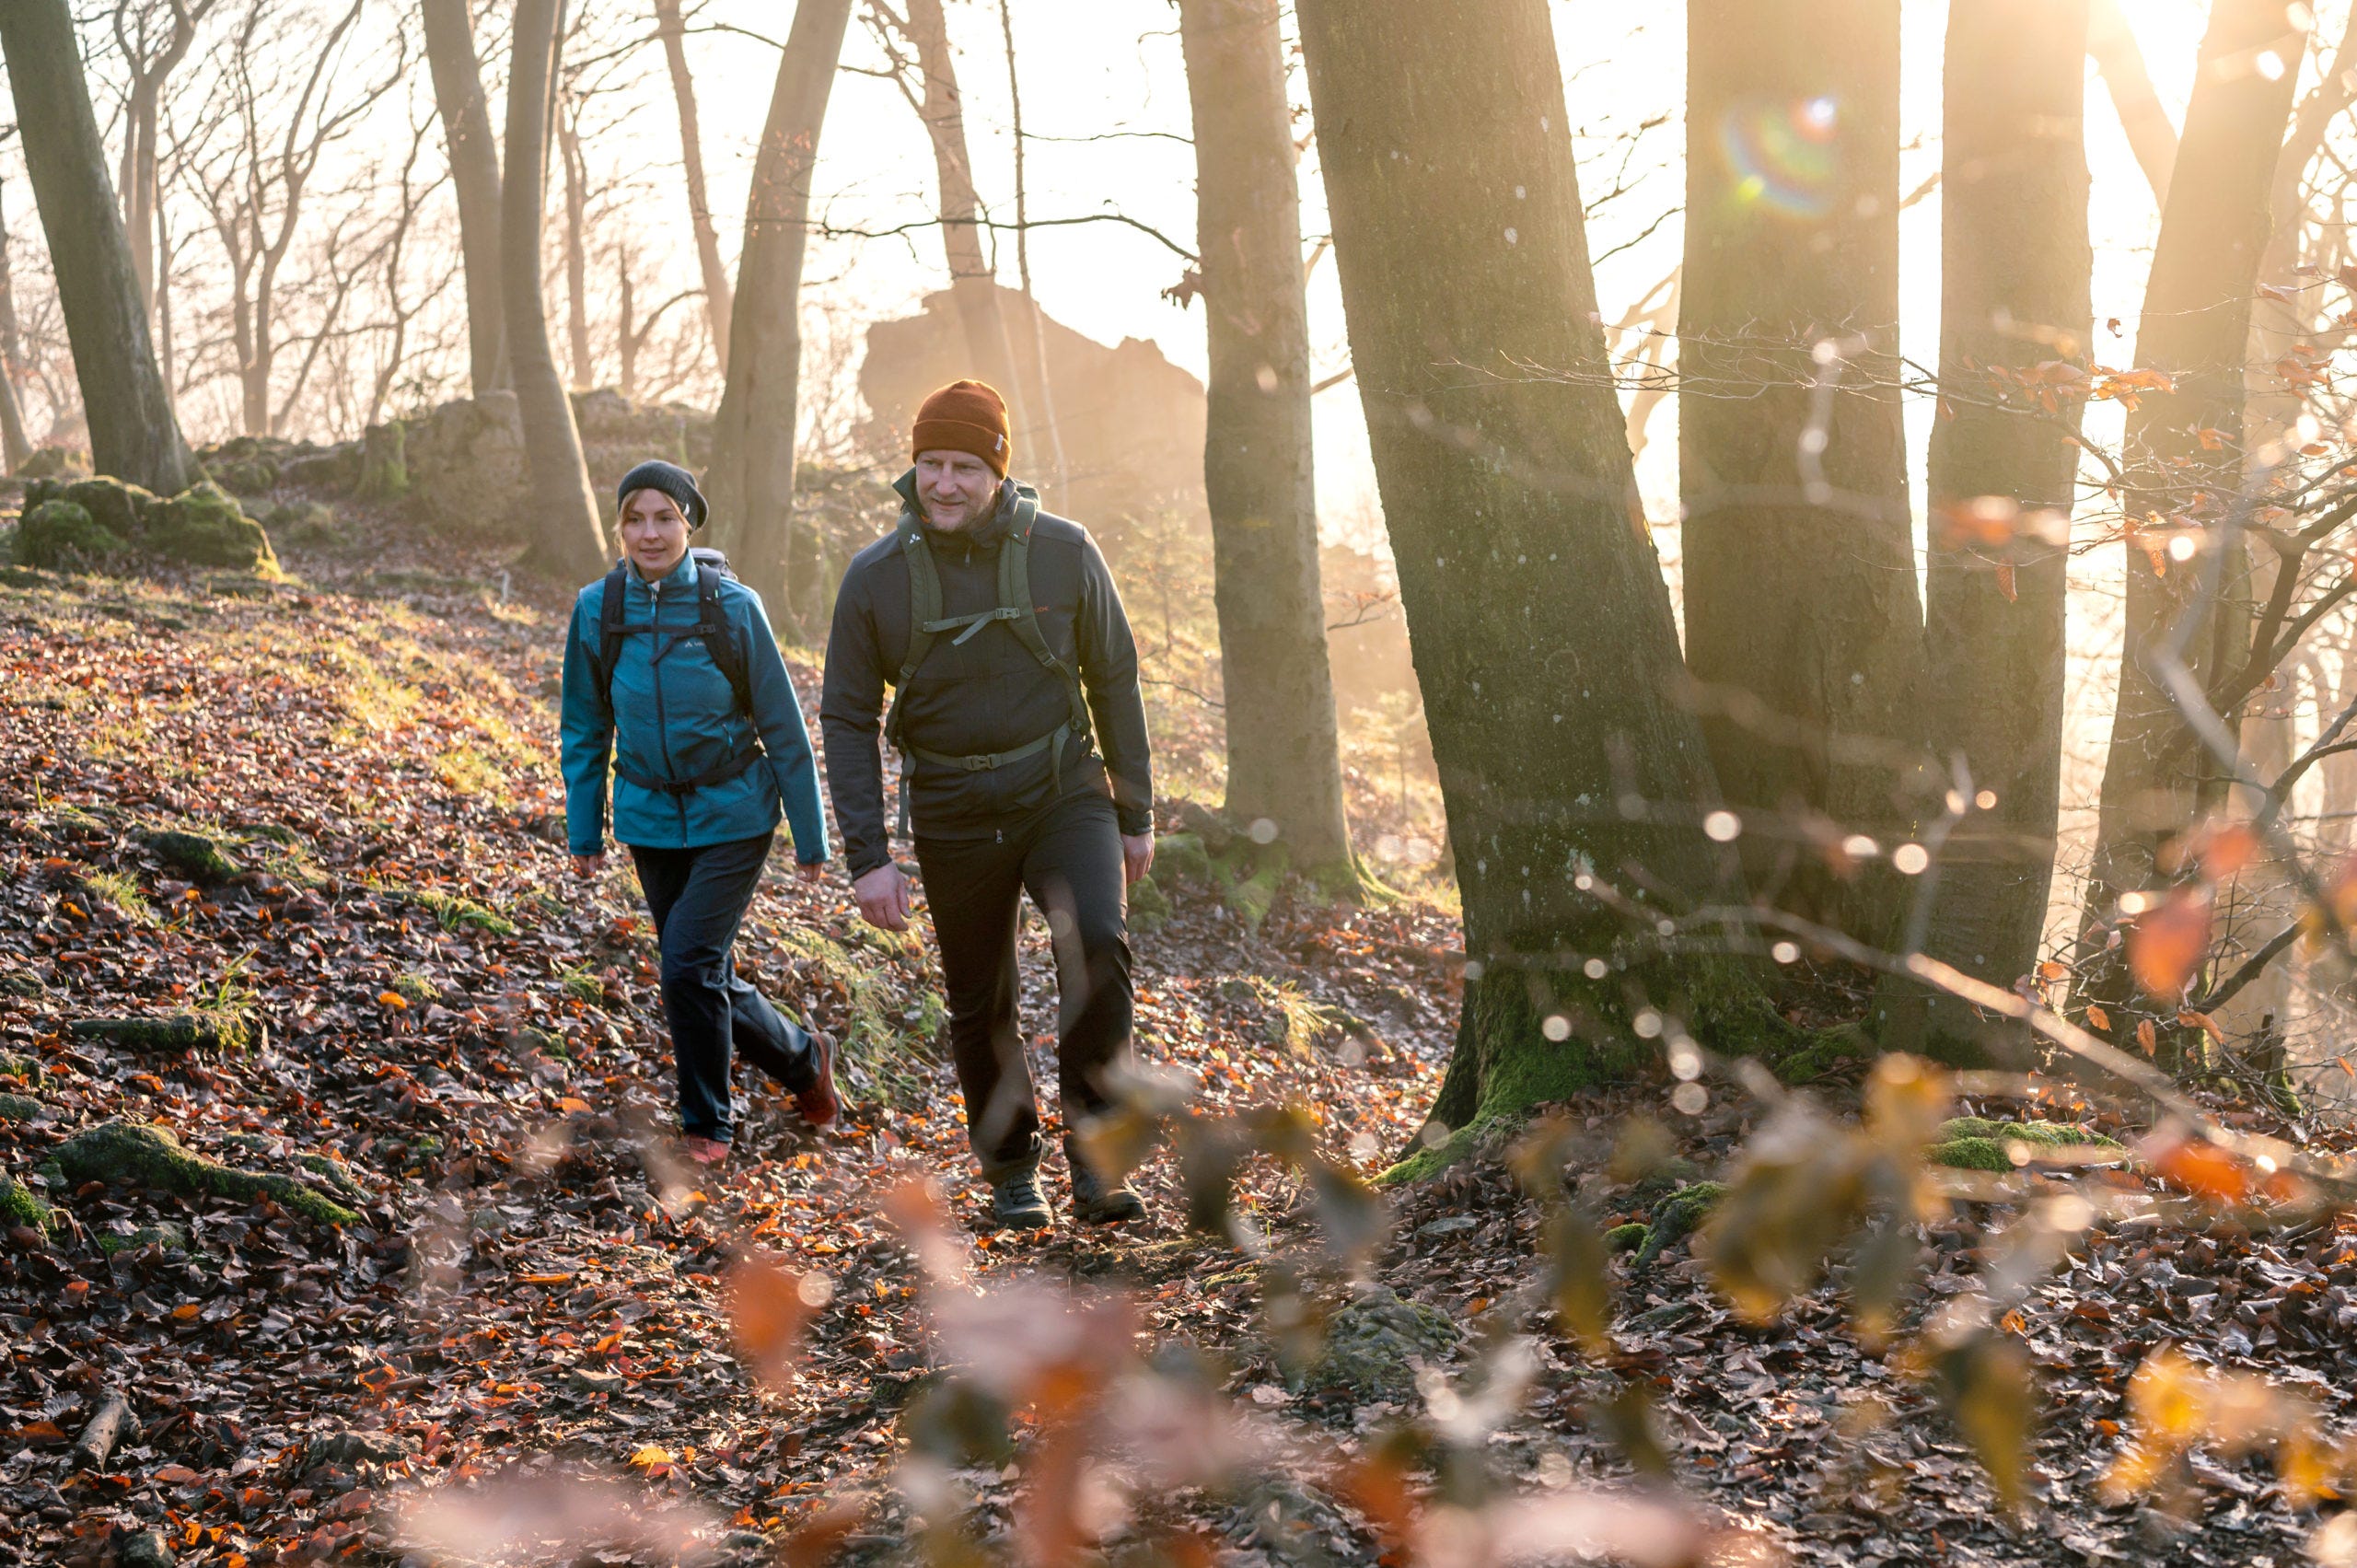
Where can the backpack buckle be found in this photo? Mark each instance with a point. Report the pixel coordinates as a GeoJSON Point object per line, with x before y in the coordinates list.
{"type": "Point", "coordinates": [981, 764]}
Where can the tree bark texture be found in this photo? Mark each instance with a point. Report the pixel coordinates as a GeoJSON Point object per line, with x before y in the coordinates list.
{"type": "Point", "coordinates": [751, 482]}
{"type": "Point", "coordinates": [2014, 281]}
{"type": "Point", "coordinates": [1283, 760]}
{"type": "Point", "coordinates": [1544, 643]}
{"type": "Point", "coordinates": [719, 298]}
{"type": "Point", "coordinates": [2195, 326]}
{"type": "Point", "coordinates": [142, 188]}
{"type": "Point", "coordinates": [973, 286]}
{"type": "Point", "coordinates": [1803, 626]}
{"type": "Point", "coordinates": [133, 433]}
{"type": "Point", "coordinates": [474, 175]}
{"type": "Point", "coordinates": [15, 445]}
{"type": "Point", "coordinates": [567, 536]}
{"type": "Point", "coordinates": [577, 251]}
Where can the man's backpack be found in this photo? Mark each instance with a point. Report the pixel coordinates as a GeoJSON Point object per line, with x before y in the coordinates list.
{"type": "Point", "coordinates": [719, 640]}
{"type": "Point", "coordinates": [1015, 607]}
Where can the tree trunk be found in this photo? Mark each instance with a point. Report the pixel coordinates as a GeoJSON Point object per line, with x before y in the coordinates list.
{"type": "Point", "coordinates": [2121, 64]}
{"type": "Point", "coordinates": [1284, 761]}
{"type": "Point", "coordinates": [1802, 625]}
{"type": "Point", "coordinates": [1034, 330]}
{"type": "Point", "coordinates": [2195, 326]}
{"type": "Point", "coordinates": [474, 174]}
{"type": "Point", "coordinates": [751, 481]}
{"type": "Point", "coordinates": [973, 286]}
{"type": "Point", "coordinates": [577, 251]}
{"type": "Point", "coordinates": [567, 536]}
{"type": "Point", "coordinates": [719, 300]}
{"type": "Point", "coordinates": [1544, 643]}
{"type": "Point", "coordinates": [2013, 280]}
{"type": "Point", "coordinates": [14, 446]}
{"type": "Point", "coordinates": [133, 433]}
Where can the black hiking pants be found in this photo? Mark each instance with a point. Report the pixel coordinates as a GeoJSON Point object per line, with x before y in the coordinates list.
{"type": "Point", "coordinates": [698, 899]}
{"type": "Point", "coordinates": [1069, 858]}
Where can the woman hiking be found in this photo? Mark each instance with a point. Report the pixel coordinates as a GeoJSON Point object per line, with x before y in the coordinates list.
{"type": "Point", "coordinates": [670, 665]}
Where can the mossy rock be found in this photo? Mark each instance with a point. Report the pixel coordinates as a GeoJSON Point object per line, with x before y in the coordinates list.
{"type": "Point", "coordinates": [1626, 1237]}
{"type": "Point", "coordinates": [331, 1171]}
{"type": "Point", "coordinates": [1975, 1142]}
{"type": "Point", "coordinates": [1971, 1154]}
{"type": "Point", "coordinates": [20, 1206]}
{"type": "Point", "coordinates": [335, 468]}
{"type": "Point", "coordinates": [152, 1156]}
{"type": "Point", "coordinates": [54, 462]}
{"type": "Point", "coordinates": [306, 525]}
{"type": "Point", "coordinates": [1181, 858]}
{"type": "Point", "coordinates": [1149, 906]}
{"type": "Point", "coordinates": [165, 1236]}
{"type": "Point", "coordinates": [61, 536]}
{"type": "Point", "coordinates": [1827, 1053]}
{"type": "Point", "coordinates": [122, 509]}
{"type": "Point", "coordinates": [19, 1107]}
{"type": "Point", "coordinates": [1679, 1217]}
{"type": "Point", "coordinates": [1376, 1343]}
{"type": "Point", "coordinates": [178, 1033]}
{"type": "Point", "coordinates": [13, 1066]}
{"type": "Point", "coordinates": [204, 527]}
{"type": "Point", "coordinates": [247, 476]}
{"type": "Point", "coordinates": [199, 856]}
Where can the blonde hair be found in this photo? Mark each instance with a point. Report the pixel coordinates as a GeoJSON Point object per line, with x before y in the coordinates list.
{"type": "Point", "coordinates": [621, 507]}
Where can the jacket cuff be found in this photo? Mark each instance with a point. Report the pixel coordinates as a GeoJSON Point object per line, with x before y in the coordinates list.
{"type": "Point", "coordinates": [868, 861]}
{"type": "Point", "coordinates": [1134, 821]}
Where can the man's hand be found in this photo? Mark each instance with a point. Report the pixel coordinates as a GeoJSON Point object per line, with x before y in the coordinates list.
{"type": "Point", "coordinates": [1137, 856]}
{"type": "Point", "coordinates": [810, 870]}
{"type": "Point", "coordinates": [883, 896]}
{"type": "Point", "coordinates": [587, 866]}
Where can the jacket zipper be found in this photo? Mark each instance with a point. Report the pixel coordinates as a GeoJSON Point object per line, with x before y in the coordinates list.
{"type": "Point", "coordinates": [662, 724]}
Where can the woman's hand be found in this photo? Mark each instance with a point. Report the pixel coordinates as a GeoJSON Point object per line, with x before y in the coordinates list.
{"type": "Point", "coordinates": [587, 866]}
{"type": "Point", "coordinates": [810, 870]}
{"type": "Point", "coordinates": [1137, 856]}
{"type": "Point", "coordinates": [883, 896]}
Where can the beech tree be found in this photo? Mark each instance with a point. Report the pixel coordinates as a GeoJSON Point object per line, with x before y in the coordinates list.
{"type": "Point", "coordinates": [154, 40]}
{"type": "Point", "coordinates": [719, 296]}
{"type": "Point", "coordinates": [134, 435]}
{"type": "Point", "coordinates": [1802, 625]}
{"type": "Point", "coordinates": [752, 481]}
{"type": "Point", "coordinates": [2185, 452]}
{"type": "Point", "coordinates": [1283, 759]}
{"type": "Point", "coordinates": [1544, 642]}
{"type": "Point", "coordinates": [474, 176]}
{"type": "Point", "coordinates": [568, 537]}
{"type": "Point", "coordinates": [2014, 283]}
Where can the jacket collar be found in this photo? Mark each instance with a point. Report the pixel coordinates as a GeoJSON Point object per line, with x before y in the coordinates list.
{"type": "Point", "coordinates": [991, 531]}
{"type": "Point", "coordinates": [684, 575]}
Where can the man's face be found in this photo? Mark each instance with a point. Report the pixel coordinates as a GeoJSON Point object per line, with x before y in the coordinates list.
{"type": "Point", "coordinates": [957, 489]}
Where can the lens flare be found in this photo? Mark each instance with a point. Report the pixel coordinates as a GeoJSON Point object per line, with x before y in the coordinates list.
{"type": "Point", "coordinates": [1785, 156]}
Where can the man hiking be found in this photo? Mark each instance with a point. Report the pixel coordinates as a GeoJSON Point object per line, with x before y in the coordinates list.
{"type": "Point", "coordinates": [1011, 666]}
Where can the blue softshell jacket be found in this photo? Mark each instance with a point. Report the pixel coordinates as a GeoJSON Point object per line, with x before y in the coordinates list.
{"type": "Point", "coordinates": [673, 716]}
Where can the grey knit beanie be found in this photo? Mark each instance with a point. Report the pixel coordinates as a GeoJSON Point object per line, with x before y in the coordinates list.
{"type": "Point", "coordinates": [671, 480]}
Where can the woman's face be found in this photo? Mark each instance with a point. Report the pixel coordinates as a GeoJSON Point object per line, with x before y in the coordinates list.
{"type": "Point", "coordinates": [655, 533]}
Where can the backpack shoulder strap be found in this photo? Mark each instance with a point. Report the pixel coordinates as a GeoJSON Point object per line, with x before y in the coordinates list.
{"type": "Point", "coordinates": [610, 630]}
{"type": "Point", "coordinates": [720, 638]}
{"type": "Point", "coordinates": [924, 609]}
{"type": "Point", "coordinates": [1022, 615]}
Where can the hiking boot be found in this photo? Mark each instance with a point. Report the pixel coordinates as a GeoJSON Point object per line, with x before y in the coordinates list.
{"type": "Point", "coordinates": [706, 1152]}
{"type": "Point", "coordinates": [1016, 1202]}
{"type": "Point", "coordinates": [1095, 1200]}
{"type": "Point", "coordinates": [817, 1103]}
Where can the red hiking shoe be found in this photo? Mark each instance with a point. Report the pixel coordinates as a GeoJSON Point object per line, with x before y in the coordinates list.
{"type": "Point", "coordinates": [706, 1152]}
{"type": "Point", "coordinates": [817, 1103]}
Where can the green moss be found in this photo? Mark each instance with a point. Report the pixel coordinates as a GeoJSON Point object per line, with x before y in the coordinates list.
{"type": "Point", "coordinates": [1182, 858]}
{"type": "Point", "coordinates": [1149, 907]}
{"type": "Point", "coordinates": [340, 1180]}
{"type": "Point", "coordinates": [212, 1029]}
{"type": "Point", "coordinates": [61, 536]}
{"type": "Point", "coordinates": [1825, 1052]}
{"type": "Point", "coordinates": [1971, 1154]}
{"type": "Point", "coordinates": [415, 989]}
{"type": "Point", "coordinates": [1625, 1237]}
{"type": "Point", "coordinates": [1431, 1158]}
{"type": "Point", "coordinates": [582, 986]}
{"type": "Point", "coordinates": [1251, 878]}
{"type": "Point", "coordinates": [1679, 1217]}
{"type": "Point", "coordinates": [204, 527]}
{"type": "Point", "coordinates": [153, 1157]}
{"type": "Point", "coordinates": [18, 1108]}
{"type": "Point", "coordinates": [19, 1067]}
{"type": "Point", "coordinates": [306, 525]}
{"type": "Point", "coordinates": [882, 1052]}
{"type": "Point", "coordinates": [202, 857]}
{"type": "Point", "coordinates": [120, 509]}
{"type": "Point", "coordinates": [247, 476]}
{"type": "Point", "coordinates": [167, 1236]}
{"type": "Point", "coordinates": [19, 1206]}
{"type": "Point", "coordinates": [452, 912]}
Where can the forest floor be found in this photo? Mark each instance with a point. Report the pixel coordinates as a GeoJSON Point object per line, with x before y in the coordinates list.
{"type": "Point", "coordinates": [316, 821]}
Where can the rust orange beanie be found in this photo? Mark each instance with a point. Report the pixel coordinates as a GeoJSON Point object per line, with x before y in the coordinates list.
{"type": "Point", "coordinates": [966, 416]}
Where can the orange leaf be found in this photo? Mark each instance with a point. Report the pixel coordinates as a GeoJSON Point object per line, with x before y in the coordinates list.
{"type": "Point", "coordinates": [569, 1104]}
{"type": "Point", "coordinates": [175, 1475]}
{"type": "Point", "coordinates": [2099, 1020]}
{"type": "Point", "coordinates": [769, 1305]}
{"type": "Point", "coordinates": [2228, 850]}
{"type": "Point", "coordinates": [2050, 970]}
{"type": "Point", "coordinates": [2168, 944]}
{"type": "Point", "coordinates": [393, 999]}
{"type": "Point", "coordinates": [186, 1311]}
{"type": "Point", "coordinates": [2205, 1168]}
{"type": "Point", "coordinates": [545, 1279]}
{"type": "Point", "coordinates": [2147, 1037]}
{"type": "Point", "coordinates": [651, 1455]}
{"type": "Point", "coordinates": [2005, 580]}
{"type": "Point", "coordinates": [2202, 1021]}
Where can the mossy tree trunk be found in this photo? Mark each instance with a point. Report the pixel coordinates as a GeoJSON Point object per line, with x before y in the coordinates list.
{"type": "Point", "coordinates": [2195, 326]}
{"type": "Point", "coordinates": [2013, 280]}
{"type": "Point", "coordinates": [568, 538]}
{"type": "Point", "coordinates": [752, 474]}
{"type": "Point", "coordinates": [1543, 638]}
{"type": "Point", "coordinates": [719, 296]}
{"type": "Point", "coordinates": [1283, 757]}
{"type": "Point", "coordinates": [1802, 620]}
{"type": "Point", "coordinates": [134, 435]}
{"type": "Point", "coordinates": [474, 175]}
